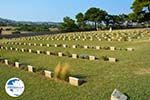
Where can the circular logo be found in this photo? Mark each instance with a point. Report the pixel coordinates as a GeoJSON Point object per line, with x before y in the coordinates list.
{"type": "Point", "coordinates": [14, 87]}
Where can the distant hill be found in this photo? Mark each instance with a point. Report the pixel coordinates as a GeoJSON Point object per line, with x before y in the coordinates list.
{"type": "Point", "coordinates": [7, 21]}
{"type": "Point", "coordinates": [13, 22]}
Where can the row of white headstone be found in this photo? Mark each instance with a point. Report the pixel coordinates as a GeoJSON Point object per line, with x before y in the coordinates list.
{"type": "Point", "coordinates": [92, 35]}
{"type": "Point", "coordinates": [85, 39]}
{"type": "Point", "coordinates": [95, 33]}
{"type": "Point", "coordinates": [49, 74]}
{"type": "Point", "coordinates": [65, 46]}
{"type": "Point", "coordinates": [116, 95]}
{"type": "Point", "coordinates": [60, 54]}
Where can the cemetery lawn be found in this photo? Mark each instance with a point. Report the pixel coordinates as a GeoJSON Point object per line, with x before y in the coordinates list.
{"type": "Point", "coordinates": [130, 75]}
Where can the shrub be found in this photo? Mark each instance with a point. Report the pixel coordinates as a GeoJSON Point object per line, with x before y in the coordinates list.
{"type": "Point", "coordinates": [58, 71]}
{"type": "Point", "coordinates": [62, 72]}
{"type": "Point", "coordinates": [65, 72]}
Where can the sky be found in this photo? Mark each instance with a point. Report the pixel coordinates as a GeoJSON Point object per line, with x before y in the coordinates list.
{"type": "Point", "coordinates": [55, 10]}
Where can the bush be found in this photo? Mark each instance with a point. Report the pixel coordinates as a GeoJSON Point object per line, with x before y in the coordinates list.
{"type": "Point", "coordinates": [58, 71]}
{"type": "Point", "coordinates": [62, 72]}
{"type": "Point", "coordinates": [65, 72]}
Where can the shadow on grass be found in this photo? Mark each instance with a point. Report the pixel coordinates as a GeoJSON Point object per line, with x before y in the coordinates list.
{"type": "Point", "coordinates": [81, 77]}
{"type": "Point", "coordinates": [127, 96]}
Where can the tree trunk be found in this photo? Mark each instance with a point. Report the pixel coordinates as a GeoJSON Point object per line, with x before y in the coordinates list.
{"type": "Point", "coordinates": [95, 25]}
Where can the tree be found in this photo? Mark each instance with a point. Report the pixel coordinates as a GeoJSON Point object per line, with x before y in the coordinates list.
{"type": "Point", "coordinates": [68, 24]}
{"type": "Point", "coordinates": [81, 21]}
{"type": "Point", "coordinates": [95, 15]}
{"type": "Point", "coordinates": [142, 9]}
{"type": "Point", "coordinates": [1, 31]}
{"type": "Point", "coordinates": [132, 17]}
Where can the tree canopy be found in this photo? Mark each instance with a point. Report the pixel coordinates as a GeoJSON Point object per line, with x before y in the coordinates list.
{"type": "Point", "coordinates": [68, 24]}
{"type": "Point", "coordinates": [95, 18]}
{"type": "Point", "coordinates": [142, 9]}
{"type": "Point", "coordinates": [81, 21]}
{"type": "Point", "coordinates": [95, 15]}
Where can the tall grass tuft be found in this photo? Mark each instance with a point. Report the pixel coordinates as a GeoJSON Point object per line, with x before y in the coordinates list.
{"type": "Point", "coordinates": [62, 72]}
{"type": "Point", "coordinates": [58, 71]}
{"type": "Point", "coordinates": [65, 72]}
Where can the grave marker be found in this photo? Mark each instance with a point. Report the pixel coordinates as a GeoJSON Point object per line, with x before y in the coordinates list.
{"type": "Point", "coordinates": [17, 64]}
{"type": "Point", "coordinates": [112, 48]}
{"type": "Point", "coordinates": [6, 61]}
{"type": "Point", "coordinates": [30, 68]}
{"type": "Point", "coordinates": [48, 73]}
{"type": "Point", "coordinates": [112, 59]}
{"type": "Point", "coordinates": [60, 54]}
{"type": "Point", "coordinates": [117, 95]}
{"type": "Point", "coordinates": [48, 52]}
{"type": "Point", "coordinates": [91, 57]}
{"type": "Point", "coordinates": [75, 81]}
{"type": "Point", "coordinates": [38, 51]}
{"type": "Point", "coordinates": [74, 56]}
{"type": "Point", "coordinates": [130, 49]}
{"type": "Point", "coordinates": [30, 50]}
{"type": "Point", "coordinates": [97, 47]}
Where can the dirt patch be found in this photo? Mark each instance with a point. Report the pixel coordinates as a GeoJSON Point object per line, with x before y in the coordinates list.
{"type": "Point", "coordinates": [142, 71]}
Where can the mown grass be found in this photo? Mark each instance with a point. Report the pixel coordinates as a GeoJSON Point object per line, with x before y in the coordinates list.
{"type": "Point", "coordinates": [102, 77]}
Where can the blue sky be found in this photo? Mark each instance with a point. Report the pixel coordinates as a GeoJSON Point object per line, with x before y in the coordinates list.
{"type": "Point", "coordinates": [55, 10]}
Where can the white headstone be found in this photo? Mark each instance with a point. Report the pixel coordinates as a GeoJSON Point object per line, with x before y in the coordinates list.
{"type": "Point", "coordinates": [117, 95]}
{"type": "Point", "coordinates": [60, 54]}
{"type": "Point", "coordinates": [74, 81]}
{"type": "Point", "coordinates": [16, 49]}
{"type": "Point", "coordinates": [73, 46]}
{"type": "Point", "coordinates": [30, 68]}
{"type": "Point", "coordinates": [30, 50]}
{"type": "Point", "coordinates": [110, 30]}
{"type": "Point", "coordinates": [47, 45]}
{"type": "Point", "coordinates": [17, 64]}
{"type": "Point", "coordinates": [112, 48]}
{"type": "Point", "coordinates": [48, 73]}
{"type": "Point", "coordinates": [55, 45]}
{"type": "Point", "coordinates": [130, 49]}
{"type": "Point", "coordinates": [97, 47]}
{"type": "Point", "coordinates": [22, 50]}
{"type": "Point", "coordinates": [38, 51]}
{"type": "Point", "coordinates": [91, 57]}
{"type": "Point", "coordinates": [48, 52]}
{"type": "Point", "coordinates": [112, 59]}
{"type": "Point", "coordinates": [64, 45]}
{"type": "Point", "coordinates": [11, 48]}
{"type": "Point", "coordinates": [6, 61]}
{"type": "Point", "coordinates": [74, 56]}
{"type": "Point", "coordinates": [35, 44]}
{"type": "Point", "coordinates": [41, 45]}
{"type": "Point", "coordinates": [85, 46]}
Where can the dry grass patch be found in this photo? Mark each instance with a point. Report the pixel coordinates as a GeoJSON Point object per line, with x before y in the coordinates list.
{"type": "Point", "coordinates": [142, 71]}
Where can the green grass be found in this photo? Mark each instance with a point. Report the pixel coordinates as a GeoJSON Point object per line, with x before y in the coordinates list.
{"type": "Point", "coordinates": [102, 77]}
